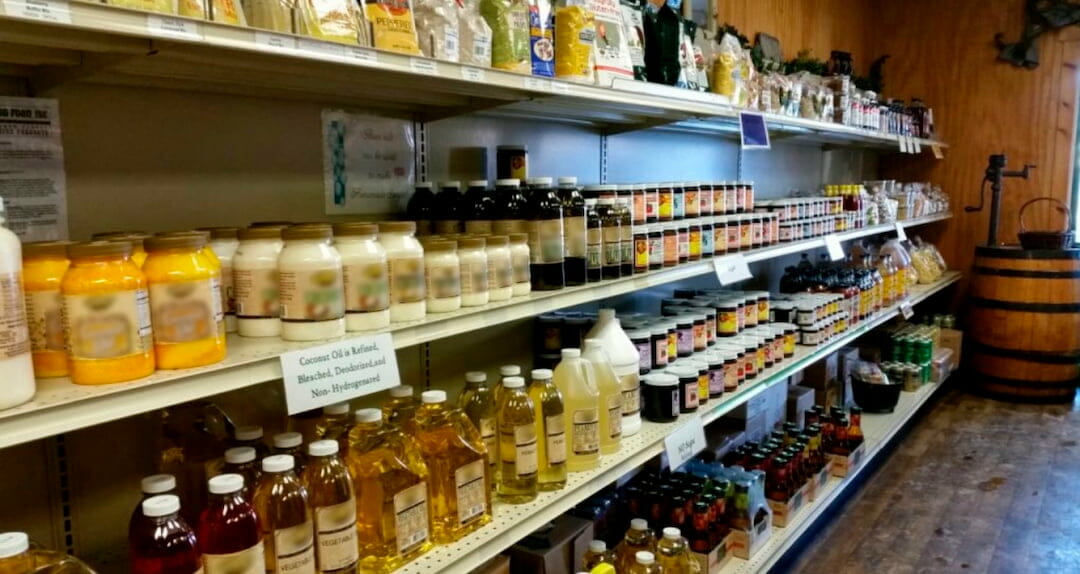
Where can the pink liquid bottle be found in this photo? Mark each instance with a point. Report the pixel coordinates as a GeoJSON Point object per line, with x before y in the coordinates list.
{"type": "Point", "coordinates": [153, 485]}
{"type": "Point", "coordinates": [229, 530]}
{"type": "Point", "coordinates": [163, 543]}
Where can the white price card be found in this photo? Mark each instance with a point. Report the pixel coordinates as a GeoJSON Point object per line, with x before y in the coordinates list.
{"type": "Point", "coordinates": [424, 66]}
{"type": "Point", "coordinates": [321, 48]}
{"type": "Point", "coordinates": [362, 54]}
{"type": "Point", "coordinates": [918, 145]}
{"type": "Point", "coordinates": [684, 443]}
{"type": "Point", "coordinates": [172, 27]}
{"type": "Point", "coordinates": [901, 234]}
{"type": "Point", "coordinates": [538, 84]}
{"type": "Point", "coordinates": [338, 372]}
{"type": "Point", "coordinates": [938, 152]}
{"type": "Point", "coordinates": [472, 74]}
{"type": "Point", "coordinates": [731, 269]}
{"type": "Point", "coordinates": [44, 10]}
{"type": "Point", "coordinates": [903, 144]}
{"type": "Point", "coordinates": [275, 42]}
{"type": "Point", "coordinates": [562, 88]}
{"type": "Point", "coordinates": [832, 244]}
{"type": "Point", "coordinates": [906, 310]}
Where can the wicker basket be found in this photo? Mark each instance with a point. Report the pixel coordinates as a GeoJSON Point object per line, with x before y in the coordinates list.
{"type": "Point", "coordinates": [1046, 239]}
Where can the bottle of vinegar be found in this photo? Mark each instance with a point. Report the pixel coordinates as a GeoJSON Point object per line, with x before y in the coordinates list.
{"type": "Point", "coordinates": [478, 403]}
{"type": "Point", "coordinates": [229, 530]}
{"type": "Point", "coordinates": [550, 430]}
{"type": "Point", "coordinates": [164, 542]}
{"type": "Point", "coordinates": [518, 462]}
{"type": "Point", "coordinates": [153, 485]}
{"type": "Point", "coordinates": [581, 402]}
{"type": "Point", "coordinates": [611, 398]}
{"type": "Point", "coordinates": [333, 509]}
{"type": "Point", "coordinates": [281, 503]}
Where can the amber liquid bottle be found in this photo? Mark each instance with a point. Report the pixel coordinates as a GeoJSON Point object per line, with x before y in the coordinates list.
{"type": "Point", "coordinates": [334, 422]}
{"type": "Point", "coordinates": [611, 231]}
{"type": "Point", "coordinates": [281, 503]}
{"type": "Point", "coordinates": [333, 509]}
{"type": "Point", "coordinates": [518, 462]}
{"type": "Point", "coordinates": [545, 227]}
{"type": "Point", "coordinates": [594, 247]}
{"type": "Point", "coordinates": [292, 444]}
{"type": "Point", "coordinates": [163, 543]}
{"type": "Point", "coordinates": [510, 207]}
{"type": "Point", "coordinates": [400, 408]}
{"type": "Point", "coordinates": [229, 530]}
{"type": "Point", "coordinates": [153, 485]}
{"type": "Point", "coordinates": [574, 232]}
{"type": "Point", "coordinates": [448, 205]}
{"type": "Point", "coordinates": [457, 460]}
{"type": "Point", "coordinates": [241, 460]}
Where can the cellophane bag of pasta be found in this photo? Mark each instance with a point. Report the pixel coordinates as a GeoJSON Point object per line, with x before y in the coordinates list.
{"type": "Point", "coordinates": [162, 6]}
{"type": "Point", "coordinates": [276, 15]}
{"type": "Point", "coordinates": [392, 25]}
{"type": "Point", "coordinates": [726, 79]}
{"type": "Point", "coordinates": [333, 20]}
{"type": "Point", "coordinates": [541, 38]}
{"type": "Point", "coordinates": [509, 22]}
{"type": "Point", "coordinates": [474, 34]}
{"type": "Point", "coordinates": [575, 31]}
{"type": "Point", "coordinates": [227, 12]}
{"type": "Point", "coordinates": [438, 28]}
{"type": "Point", "coordinates": [610, 52]}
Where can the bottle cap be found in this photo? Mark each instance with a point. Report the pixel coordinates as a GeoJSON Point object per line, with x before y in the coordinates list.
{"type": "Point", "coordinates": [645, 558]}
{"type": "Point", "coordinates": [288, 440]}
{"type": "Point", "coordinates": [162, 505]}
{"type": "Point", "coordinates": [336, 409]}
{"type": "Point", "coordinates": [13, 543]}
{"type": "Point", "coordinates": [475, 377]}
{"type": "Point", "coordinates": [672, 533]}
{"type": "Point", "coordinates": [248, 432]}
{"type": "Point", "coordinates": [323, 448]}
{"type": "Point", "coordinates": [544, 181]}
{"type": "Point", "coordinates": [598, 546]}
{"type": "Point", "coordinates": [240, 455]}
{"type": "Point", "coordinates": [278, 463]}
{"type": "Point", "coordinates": [639, 524]}
{"type": "Point", "coordinates": [567, 181]}
{"type": "Point", "coordinates": [542, 374]}
{"type": "Point", "coordinates": [401, 391]}
{"type": "Point", "coordinates": [453, 184]}
{"type": "Point", "coordinates": [508, 182]}
{"type": "Point", "coordinates": [158, 483]}
{"type": "Point", "coordinates": [514, 383]}
{"type": "Point", "coordinates": [478, 183]}
{"type": "Point", "coordinates": [226, 483]}
{"type": "Point", "coordinates": [510, 370]}
{"type": "Point", "coordinates": [571, 353]}
{"type": "Point", "coordinates": [368, 415]}
{"type": "Point", "coordinates": [431, 397]}
{"type": "Point", "coordinates": [423, 185]}
{"type": "Point", "coordinates": [605, 314]}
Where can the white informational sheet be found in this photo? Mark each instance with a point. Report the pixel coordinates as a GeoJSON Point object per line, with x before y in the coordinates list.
{"type": "Point", "coordinates": [32, 181]}
{"type": "Point", "coordinates": [368, 164]}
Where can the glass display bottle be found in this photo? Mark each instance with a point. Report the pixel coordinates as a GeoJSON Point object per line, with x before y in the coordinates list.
{"type": "Point", "coordinates": [229, 533]}
{"type": "Point", "coordinates": [546, 239]}
{"type": "Point", "coordinates": [164, 542]}
{"type": "Point", "coordinates": [574, 231]}
{"type": "Point", "coordinates": [551, 430]}
{"type": "Point", "coordinates": [637, 539]}
{"type": "Point", "coordinates": [333, 509]}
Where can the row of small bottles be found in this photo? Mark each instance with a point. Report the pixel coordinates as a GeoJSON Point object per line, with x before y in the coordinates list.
{"type": "Point", "coordinates": [866, 288]}
{"type": "Point", "coordinates": [640, 552]}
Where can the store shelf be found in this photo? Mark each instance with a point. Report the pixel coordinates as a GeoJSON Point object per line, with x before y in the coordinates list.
{"type": "Point", "coordinates": [60, 406]}
{"type": "Point", "coordinates": [879, 430]}
{"type": "Point", "coordinates": [59, 41]}
{"type": "Point", "coordinates": [513, 522]}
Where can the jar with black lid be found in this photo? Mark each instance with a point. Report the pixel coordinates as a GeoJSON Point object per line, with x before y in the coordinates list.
{"type": "Point", "coordinates": [658, 338]}
{"type": "Point", "coordinates": [656, 246]}
{"type": "Point", "coordinates": [661, 399]}
{"type": "Point", "coordinates": [643, 343]}
{"type": "Point", "coordinates": [688, 387]}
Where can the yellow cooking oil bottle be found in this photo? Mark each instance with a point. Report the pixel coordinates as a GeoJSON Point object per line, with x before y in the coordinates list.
{"type": "Point", "coordinates": [400, 407]}
{"type": "Point", "coordinates": [478, 403]}
{"type": "Point", "coordinates": [518, 460]}
{"type": "Point", "coordinates": [550, 430]}
{"type": "Point", "coordinates": [581, 400]}
{"type": "Point", "coordinates": [390, 480]}
{"type": "Point", "coordinates": [457, 459]}
{"type": "Point", "coordinates": [611, 398]}
{"type": "Point", "coordinates": [637, 539]}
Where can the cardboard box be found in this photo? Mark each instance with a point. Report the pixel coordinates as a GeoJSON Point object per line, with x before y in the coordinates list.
{"type": "Point", "coordinates": [824, 377]}
{"type": "Point", "coordinates": [953, 340]}
{"type": "Point", "coordinates": [497, 565]}
{"type": "Point", "coordinates": [799, 400]}
{"type": "Point", "coordinates": [942, 365]}
{"type": "Point", "coordinates": [775, 404]}
{"type": "Point", "coordinates": [558, 547]}
{"type": "Point", "coordinates": [841, 466]}
{"type": "Point", "coordinates": [750, 408]}
{"type": "Point", "coordinates": [818, 481]}
{"type": "Point", "coordinates": [784, 512]}
{"type": "Point", "coordinates": [744, 543]}
{"type": "Point", "coordinates": [714, 561]}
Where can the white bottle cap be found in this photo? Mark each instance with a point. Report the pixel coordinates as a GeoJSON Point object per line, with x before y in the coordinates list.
{"type": "Point", "coordinates": [226, 483]}
{"type": "Point", "coordinates": [278, 463]}
{"type": "Point", "coordinates": [510, 370]}
{"type": "Point", "coordinates": [538, 181]}
{"type": "Point", "coordinates": [597, 546]}
{"type": "Point", "coordinates": [606, 314]}
{"type": "Point", "coordinates": [571, 353]}
{"type": "Point", "coordinates": [336, 409]}
{"type": "Point", "coordinates": [568, 181]}
{"type": "Point", "coordinates": [645, 558]}
{"type": "Point", "coordinates": [158, 483]}
{"type": "Point", "coordinates": [672, 533]}
{"type": "Point", "coordinates": [248, 432]}
{"type": "Point", "coordinates": [591, 344]}
{"type": "Point", "coordinates": [451, 184]}
{"type": "Point", "coordinates": [323, 448]}
{"type": "Point", "coordinates": [508, 182]}
{"type": "Point", "coordinates": [288, 440]}
{"type": "Point", "coordinates": [423, 185]}
{"type": "Point", "coordinates": [430, 397]}
{"type": "Point", "coordinates": [240, 455]}
{"type": "Point", "coordinates": [401, 391]}
{"type": "Point", "coordinates": [368, 416]}
{"type": "Point", "coordinates": [13, 543]}
{"type": "Point", "coordinates": [477, 183]}
{"type": "Point", "coordinates": [639, 524]}
{"type": "Point", "coordinates": [514, 382]}
{"type": "Point", "coordinates": [162, 505]}
{"type": "Point", "coordinates": [475, 377]}
{"type": "Point", "coordinates": [541, 374]}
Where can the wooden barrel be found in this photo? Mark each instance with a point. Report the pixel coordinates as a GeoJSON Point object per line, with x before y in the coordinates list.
{"type": "Point", "coordinates": [1024, 323]}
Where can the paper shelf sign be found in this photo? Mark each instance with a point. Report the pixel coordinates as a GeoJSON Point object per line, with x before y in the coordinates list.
{"type": "Point", "coordinates": [368, 163]}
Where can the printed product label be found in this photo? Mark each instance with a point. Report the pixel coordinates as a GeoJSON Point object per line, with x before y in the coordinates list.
{"type": "Point", "coordinates": [665, 204]}
{"type": "Point", "coordinates": [541, 39]}
{"type": "Point", "coordinates": [520, 264]}
{"type": "Point", "coordinates": [727, 322]}
{"type": "Point", "coordinates": [685, 344]}
{"type": "Point", "coordinates": [311, 295]}
{"type": "Point", "coordinates": [656, 250]}
{"type": "Point", "coordinates": [250, 561]}
{"type": "Point", "coordinates": [407, 280]}
{"type": "Point", "coordinates": [731, 199]}
{"type": "Point", "coordinates": [443, 281]}
{"type": "Point", "coordinates": [719, 205]}
{"type": "Point", "coordinates": [508, 226]}
{"type": "Point", "coordinates": [411, 517]}
{"type": "Point", "coordinates": [614, 408]}
{"type": "Point", "coordinates": [187, 311]}
{"type": "Point", "coordinates": [294, 550]}
{"type": "Point", "coordinates": [637, 206]}
{"type": "Point", "coordinates": [471, 498]}
{"type": "Point", "coordinates": [367, 287]}
{"type": "Point", "coordinates": [474, 277]}
{"type": "Point", "coordinates": [652, 205]}
{"type": "Point", "coordinates": [576, 240]}
{"type": "Point", "coordinates": [627, 248]}
{"type": "Point", "coordinates": [678, 204]}
{"type": "Point", "coordinates": [257, 293]}
{"type": "Point", "coordinates": [700, 339]}
{"type": "Point", "coordinates": [644, 355]}
{"type": "Point", "coordinates": [695, 243]}
{"type": "Point", "coordinates": [109, 325]}
{"type": "Point", "coordinates": [634, 31]}
{"type": "Point", "coordinates": [556, 439]}
{"type": "Point", "coordinates": [661, 352]}
{"type": "Point", "coordinates": [228, 292]}
{"type": "Point", "coordinates": [672, 346]}
{"type": "Point", "coordinates": [745, 238]}
{"type": "Point", "coordinates": [500, 272]}
{"type": "Point", "coordinates": [594, 257]}
{"type": "Point", "coordinates": [631, 402]}
{"type": "Point", "coordinates": [716, 381]}
{"type": "Point", "coordinates": [707, 247]}
{"type": "Point", "coordinates": [641, 253]}
{"type": "Point", "coordinates": [487, 432]}
{"type": "Point", "coordinates": [720, 244]}
{"type": "Point", "coordinates": [586, 432]}
{"type": "Point", "coordinates": [671, 248]}
{"type": "Point", "coordinates": [733, 236]}
{"type": "Point", "coordinates": [684, 244]}
{"type": "Point", "coordinates": [44, 316]}
{"type": "Point", "coordinates": [546, 241]}
{"type": "Point", "coordinates": [693, 205]}
{"type": "Point", "coordinates": [690, 394]}
{"type": "Point", "coordinates": [14, 335]}
{"type": "Point", "coordinates": [525, 455]}
{"type": "Point", "coordinates": [675, 402]}
{"type": "Point", "coordinates": [335, 533]}
{"type": "Point", "coordinates": [612, 247]}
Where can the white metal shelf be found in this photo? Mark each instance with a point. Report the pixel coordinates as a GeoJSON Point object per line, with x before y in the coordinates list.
{"type": "Point", "coordinates": [512, 522]}
{"type": "Point", "coordinates": [105, 44]}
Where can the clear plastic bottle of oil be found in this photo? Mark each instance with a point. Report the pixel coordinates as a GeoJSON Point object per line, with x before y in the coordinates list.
{"type": "Point", "coordinates": [333, 509]}
{"type": "Point", "coordinates": [673, 553]}
{"type": "Point", "coordinates": [638, 539]}
{"type": "Point", "coordinates": [153, 485]}
{"type": "Point", "coordinates": [400, 408]}
{"type": "Point", "coordinates": [581, 400]}
{"type": "Point", "coordinates": [504, 372]}
{"type": "Point", "coordinates": [457, 458]}
{"type": "Point", "coordinates": [292, 444]}
{"type": "Point", "coordinates": [550, 430]}
{"type": "Point", "coordinates": [596, 555]}
{"type": "Point", "coordinates": [645, 563]}
{"type": "Point", "coordinates": [390, 480]}
{"type": "Point", "coordinates": [478, 403]}
{"type": "Point", "coordinates": [334, 422]}
{"type": "Point", "coordinates": [281, 502]}
{"type": "Point", "coordinates": [611, 398]}
{"type": "Point", "coordinates": [518, 461]}
{"type": "Point", "coordinates": [17, 557]}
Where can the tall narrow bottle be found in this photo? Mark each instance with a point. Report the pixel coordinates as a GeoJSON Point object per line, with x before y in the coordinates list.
{"type": "Point", "coordinates": [505, 372]}
{"type": "Point", "coordinates": [231, 540]}
{"type": "Point", "coordinates": [626, 235]}
{"type": "Point", "coordinates": [401, 406]}
{"type": "Point", "coordinates": [610, 399]}
{"type": "Point", "coordinates": [581, 401]}
{"type": "Point", "coordinates": [545, 226]}
{"type": "Point", "coordinates": [518, 462]}
{"type": "Point", "coordinates": [251, 435]}
{"type": "Point", "coordinates": [574, 231]}
{"type": "Point", "coordinates": [510, 207]}
{"type": "Point", "coordinates": [448, 205]}
{"type": "Point", "coordinates": [421, 207]}
{"type": "Point", "coordinates": [281, 503]}
{"type": "Point", "coordinates": [333, 509]}
{"type": "Point", "coordinates": [594, 246]}
{"type": "Point", "coordinates": [478, 403]}
{"type": "Point", "coordinates": [457, 459]}
{"type": "Point", "coordinates": [611, 231]}
{"type": "Point", "coordinates": [390, 481]}
{"type": "Point", "coordinates": [292, 444]}
{"type": "Point", "coordinates": [550, 430]}
{"type": "Point", "coordinates": [479, 210]}
{"type": "Point", "coordinates": [164, 542]}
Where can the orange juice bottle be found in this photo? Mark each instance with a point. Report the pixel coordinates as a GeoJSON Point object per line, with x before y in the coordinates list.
{"type": "Point", "coordinates": [106, 315]}
{"type": "Point", "coordinates": [44, 265]}
{"type": "Point", "coordinates": [185, 301]}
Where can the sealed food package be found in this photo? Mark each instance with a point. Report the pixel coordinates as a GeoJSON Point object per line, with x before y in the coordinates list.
{"type": "Point", "coordinates": [227, 12]}
{"type": "Point", "coordinates": [612, 55]}
{"type": "Point", "coordinates": [541, 43]}
{"type": "Point", "coordinates": [438, 28]}
{"type": "Point", "coordinates": [162, 6]}
{"type": "Point", "coordinates": [276, 15]}
{"type": "Point", "coordinates": [392, 25]}
{"type": "Point", "coordinates": [663, 39]}
{"type": "Point", "coordinates": [192, 8]}
{"type": "Point", "coordinates": [575, 31]}
{"type": "Point", "coordinates": [333, 20]}
{"type": "Point", "coordinates": [509, 22]}
{"type": "Point", "coordinates": [474, 34]}
{"type": "Point", "coordinates": [634, 32]}
{"type": "Point", "coordinates": [688, 78]}
{"type": "Point", "coordinates": [727, 76]}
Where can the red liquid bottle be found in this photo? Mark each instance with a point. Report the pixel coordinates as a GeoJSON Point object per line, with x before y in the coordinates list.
{"type": "Point", "coordinates": [163, 543]}
{"type": "Point", "coordinates": [229, 530]}
{"type": "Point", "coordinates": [153, 485]}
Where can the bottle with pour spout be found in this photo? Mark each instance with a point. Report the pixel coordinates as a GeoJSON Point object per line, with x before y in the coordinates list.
{"type": "Point", "coordinates": [610, 396]}
{"type": "Point", "coordinates": [581, 401]}
{"type": "Point", "coordinates": [623, 356]}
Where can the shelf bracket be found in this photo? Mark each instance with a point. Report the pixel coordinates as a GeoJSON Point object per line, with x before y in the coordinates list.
{"type": "Point", "coordinates": [47, 78]}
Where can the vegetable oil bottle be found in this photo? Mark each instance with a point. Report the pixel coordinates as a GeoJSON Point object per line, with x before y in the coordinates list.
{"type": "Point", "coordinates": [334, 422]}
{"type": "Point", "coordinates": [673, 553]}
{"type": "Point", "coordinates": [637, 539]}
{"type": "Point", "coordinates": [478, 403]}
{"type": "Point", "coordinates": [504, 372]}
{"type": "Point", "coordinates": [457, 460]}
{"type": "Point", "coordinates": [550, 431]}
{"type": "Point", "coordinates": [333, 509]}
{"type": "Point", "coordinates": [581, 401]}
{"type": "Point", "coordinates": [281, 502]}
{"type": "Point", "coordinates": [401, 407]}
{"type": "Point", "coordinates": [645, 563]}
{"type": "Point", "coordinates": [391, 484]}
{"type": "Point", "coordinates": [518, 464]}
{"type": "Point", "coordinates": [596, 555]}
{"type": "Point", "coordinates": [611, 398]}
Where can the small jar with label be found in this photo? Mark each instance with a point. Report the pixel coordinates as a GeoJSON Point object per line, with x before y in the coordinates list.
{"type": "Point", "coordinates": [658, 339]}
{"type": "Point", "coordinates": [678, 202]}
{"type": "Point", "coordinates": [708, 239]}
{"type": "Point", "coordinates": [642, 342]}
{"type": "Point", "coordinates": [641, 249]}
{"type": "Point", "coordinates": [688, 387]}
{"type": "Point", "coordinates": [520, 258]}
{"type": "Point", "coordinates": [500, 268]}
{"type": "Point", "coordinates": [44, 265]}
{"type": "Point", "coordinates": [702, 369]}
{"type": "Point", "coordinates": [442, 268]}
{"type": "Point", "coordinates": [694, 240]}
{"type": "Point", "coordinates": [734, 230]}
{"type": "Point", "coordinates": [474, 271]}
{"type": "Point", "coordinates": [691, 200]}
{"type": "Point", "coordinates": [224, 243]}
{"type": "Point", "coordinates": [719, 230]}
{"type": "Point", "coordinates": [405, 256]}
{"type": "Point", "coordinates": [684, 325]}
{"type": "Point", "coordinates": [652, 203]}
{"type": "Point", "coordinates": [258, 307]}
{"type": "Point", "coordinates": [666, 207]}
{"type": "Point", "coordinates": [661, 398]}
{"type": "Point", "coordinates": [757, 231]}
{"type": "Point", "coordinates": [637, 201]}
{"type": "Point", "coordinates": [705, 199]}
{"type": "Point", "coordinates": [366, 276]}
{"type": "Point", "coordinates": [727, 318]}
{"type": "Point", "coordinates": [310, 284]}
{"type": "Point", "coordinates": [656, 246]}
{"type": "Point", "coordinates": [107, 311]}
{"type": "Point", "coordinates": [671, 244]}
{"type": "Point", "coordinates": [718, 201]}
{"type": "Point", "coordinates": [701, 339]}
{"type": "Point", "coordinates": [746, 233]}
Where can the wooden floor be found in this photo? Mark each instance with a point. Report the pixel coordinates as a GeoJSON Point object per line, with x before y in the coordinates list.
{"type": "Point", "coordinates": [976, 486]}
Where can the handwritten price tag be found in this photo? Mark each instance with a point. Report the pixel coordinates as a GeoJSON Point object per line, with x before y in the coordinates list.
{"type": "Point", "coordinates": [172, 27]}
{"type": "Point", "coordinates": [732, 269]}
{"type": "Point", "coordinates": [901, 234]}
{"type": "Point", "coordinates": [832, 244]}
{"type": "Point", "coordinates": [684, 443]}
{"type": "Point", "coordinates": [424, 66]}
{"type": "Point", "coordinates": [338, 371]}
{"type": "Point", "coordinates": [906, 311]}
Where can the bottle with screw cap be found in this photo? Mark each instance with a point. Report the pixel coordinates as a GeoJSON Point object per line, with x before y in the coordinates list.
{"type": "Point", "coordinates": [229, 533]}
{"type": "Point", "coordinates": [550, 430]}
{"type": "Point", "coordinates": [250, 435]}
{"type": "Point", "coordinates": [16, 361]}
{"type": "Point", "coordinates": [596, 554]}
{"type": "Point", "coordinates": [448, 208]}
{"type": "Point", "coordinates": [504, 372]}
{"type": "Point", "coordinates": [574, 231]}
{"type": "Point", "coordinates": [510, 207]}
{"type": "Point", "coordinates": [333, 508]}
{"type": "Point", "coordinates": [405, 257]}
{"type": "Point", "coordinates": [637, 539]}
{"type": "Point", "coordinates": [673, 552]}
{"type": "Point", "coordinates": [581, 400]}
{"type": "Point", "coordinates": [546, 236]}
{"type": "Point", "coordinates": [255, 281]}
{"type": "Point", "coordinates": [518, 462]}
{"type": "Point", "coordinates": [153, 485]}
{"type": "Point", "coordinates": [292, 444]}
{"type": "Point", "coordinates": [334, 421]}
{"type": "Point", "coordinates": [366, 276]}
{"type": "Point", "coordinates": [164, 542]}
{"type": "Point", "coordinates": [241, 460]}
{"type": "Point", "coordinates": [421, 207]}
{"type": "Point", "coordinates": [458, 461]}
{"type": "Point", "coordinates": [645, 563]}
{"type": "Point", "coordinates": [477, 401]}
{"type": "Point", "coordinates": [281, 503]}
{"type": "Point", "coordinates": [624, 359]}
{"type": "Point", "coordinates": [400, 408]}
